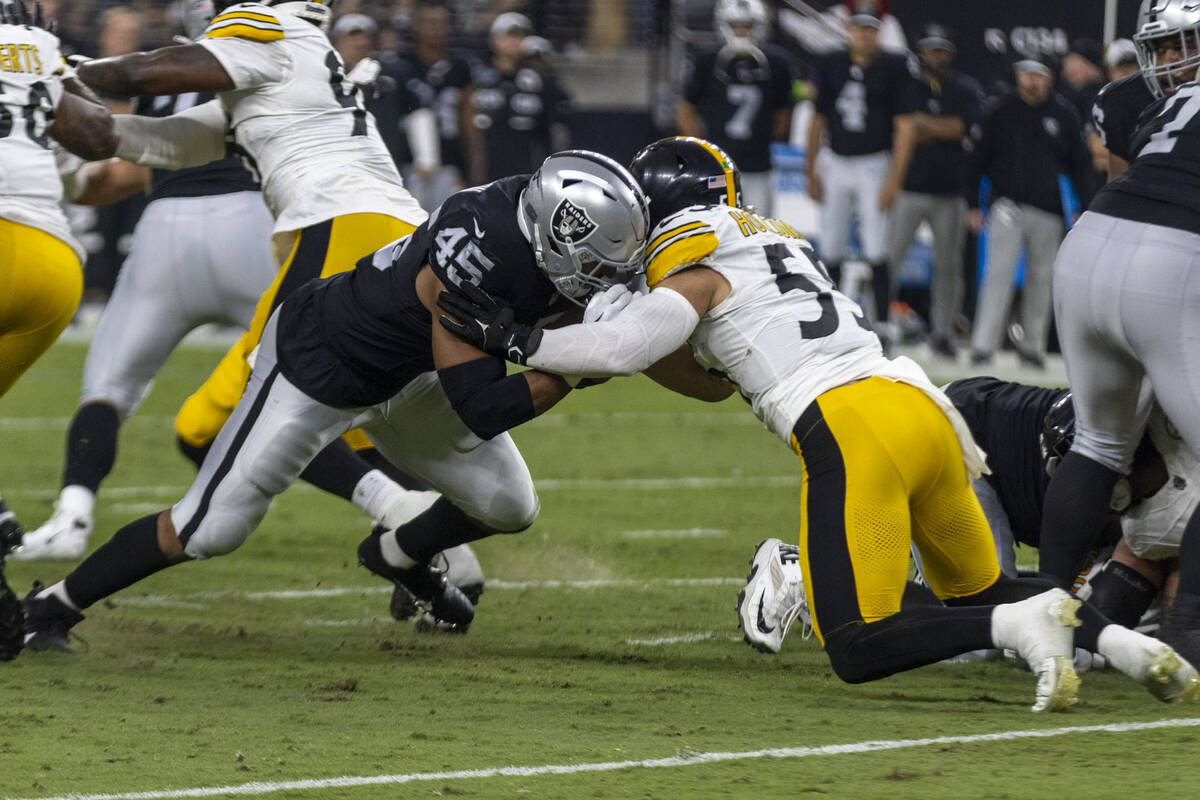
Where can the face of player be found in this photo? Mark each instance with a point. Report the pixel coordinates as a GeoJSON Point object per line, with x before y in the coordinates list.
{"type": "Point", "coordinates": [864, 40]}
{"type": "Point", "coordinates": [1170, 50]}
{"type": "Point", "coordinates": [1033, 87]}
{"type": "Point", "coordinates": [937, 60]}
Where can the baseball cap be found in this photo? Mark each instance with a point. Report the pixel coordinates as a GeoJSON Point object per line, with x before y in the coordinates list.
{"type": "Point", "coordinates": [1032, 65]}
{"type": "Point", "coordinates": [353, 23]}
{"type": "Point", "coordinates": [864, 14]}
{"type": "Point", "coordinates": [935, 36]}
{"type": "Point", "coordinates": [1089, 49]}
{"type": "Point", "coordinates": [511, 21]}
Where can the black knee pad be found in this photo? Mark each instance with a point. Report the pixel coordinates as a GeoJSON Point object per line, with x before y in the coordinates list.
{"type": "Point", "coordinates": [1122, 594]}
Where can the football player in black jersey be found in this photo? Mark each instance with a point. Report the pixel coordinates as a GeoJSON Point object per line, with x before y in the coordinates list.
{"type": "Point", "coordinates": [739, 96]}
{"type": "Point", "coordinates": [1115, 114]}
{"type": "Point", "coordinates": [362, 349]}
{"type": "Point", "coordinates": [863, 111]}
{"type": "Point", "coordinates": [1127, 301]}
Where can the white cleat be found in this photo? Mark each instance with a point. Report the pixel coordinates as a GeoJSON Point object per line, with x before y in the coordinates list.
{"type": "Point", "coordinates": [1154, 664]}
{"type": "Point", "coordinates": [63, 536]}
{"type": "Point", "coordinates": [773, 597]}
{"type": "Point", "coordinates": [1041, 630]}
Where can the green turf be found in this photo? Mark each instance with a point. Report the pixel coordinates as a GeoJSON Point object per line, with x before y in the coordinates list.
{"type": "Point", "coordinates": [191, 680]}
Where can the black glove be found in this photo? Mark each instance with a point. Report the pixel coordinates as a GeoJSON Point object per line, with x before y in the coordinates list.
{"type": "Point", "coordinates": [12, 614]}
{"type": "Point", "coordinates": [476, 318]}
{"type": "Point", "coordinates": [17, 13]}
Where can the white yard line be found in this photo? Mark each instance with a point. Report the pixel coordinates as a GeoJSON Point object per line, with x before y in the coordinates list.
{"type": "Point", "coordinates": [689, 760]}
{"type": "Point", "coordinates": [681, 533]}
{"type": "Point", "coordinates": [686, 638]}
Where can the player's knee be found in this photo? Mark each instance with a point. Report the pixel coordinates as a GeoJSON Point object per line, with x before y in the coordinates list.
{"type": "Point", "coordinates": [849, 655]}
{"type": "Point", "coordinates": [510, 513]}
{"type": "Point", "coordinates": [218, 535]}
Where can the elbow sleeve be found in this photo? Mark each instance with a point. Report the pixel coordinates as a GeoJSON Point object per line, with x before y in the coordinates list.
{"type": "Point", "coordinates": [187, 139]}
{"type": "Point", "coordinates": [487, 402]}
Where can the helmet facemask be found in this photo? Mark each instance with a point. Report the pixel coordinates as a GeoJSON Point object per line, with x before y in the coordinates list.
{"type": "Point", "coordinates": [1163, 24]}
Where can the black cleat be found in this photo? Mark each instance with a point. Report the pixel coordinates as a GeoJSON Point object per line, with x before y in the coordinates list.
{"type": "Point", "coordinates": [420, 584]}
{"type": "Point", "coordinates": [10, 531]}
{"type": "Point", "coordinates": [48, 622]}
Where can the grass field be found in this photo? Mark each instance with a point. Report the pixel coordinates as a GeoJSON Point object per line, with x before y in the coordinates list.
{"type": "Point", "coordinates": [604, 661]}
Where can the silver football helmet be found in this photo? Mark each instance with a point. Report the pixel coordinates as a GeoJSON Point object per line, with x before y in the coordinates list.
{"type": "Point", "coordinates": [728, 13]}
{"type": "Point", "coordinates": [1159, 19]}
{"type": "Point", "coordinates": [194, 17]}
{"type": "Point", "coordinates": [587, 221]}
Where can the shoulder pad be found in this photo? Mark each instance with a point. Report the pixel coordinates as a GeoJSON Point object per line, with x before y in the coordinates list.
{"type": "Point", "coordinates": [246, 21]}
{"type": "Point", "coordinates": [686, 237]}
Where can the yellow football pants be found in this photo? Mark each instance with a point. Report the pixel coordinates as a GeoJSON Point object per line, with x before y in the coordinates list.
{"type": "Point", "coordinates": [883, 468]}
{"type": "Point", "coordinates": [40, 285]}
{"type": "Point", "coordinates": [320, 250]}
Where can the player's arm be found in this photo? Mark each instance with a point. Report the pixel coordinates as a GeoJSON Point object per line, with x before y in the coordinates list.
{"type": "Point", "coordinates": [1116, 165]}
{"type": "Point", "coordinates": [83, 127]}
{"type": "Point", "coordinates": [816, 132]}
{"type": "Point", "coordinates": [488, 401]}
{"type": "Point", "coordinates": [904, 142]}
{"type": "Point", "coordinates": [167, 70]}
{"type": "Point", "coordinates": [103, 183]}
{"type": "Point", "coordinates": [687, 119]}
{"type": "Point", "coordinates": [939, 127]}
{"type": "Point", "coordinates": [189, 138]}
{"type": "Point", "coordinates": [473, 143]}
{"type": "Point", "coordinates": [679, 372]}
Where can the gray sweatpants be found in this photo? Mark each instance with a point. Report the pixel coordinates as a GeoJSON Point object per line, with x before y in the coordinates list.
{"type": "Point", "coordinates": [946, 215]}
{"type": "Point", "coordinates": [1012, 226]}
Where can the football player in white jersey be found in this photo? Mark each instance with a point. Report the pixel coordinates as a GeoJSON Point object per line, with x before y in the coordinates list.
{"type": "Point", "coordinates": [39, 259]}
{"type": "Point", "coordinates": [886, 457]}
{"type": "Point", "coordinates": [300, 127]}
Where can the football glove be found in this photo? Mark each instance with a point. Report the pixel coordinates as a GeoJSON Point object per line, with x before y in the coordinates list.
{"type": "Point", "coordinates": [12, 614]}
{"type": "Point", "coordinates": [608, 304]}
{"type": "Point", "coordinates": [478, 319]}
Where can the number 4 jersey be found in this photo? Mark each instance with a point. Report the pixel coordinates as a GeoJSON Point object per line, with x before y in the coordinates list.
{"type": "Point", "coordinates": [784, 335]}
{"type": "Point", "coordinates": [30, 89]}
{"type": "Point", "coordinates": [299, 124]}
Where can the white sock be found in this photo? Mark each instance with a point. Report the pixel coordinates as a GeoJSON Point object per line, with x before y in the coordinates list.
{"type": "Point", "coordinates": [78, 500]}
{"type": "Point", "coordinates": [392, 553]}
{"type": "Point", "coordinates": [59, 590]}
{"type": "Point", "coordinates": [389, 503]}
{"type": "Point", "coordinates": [1125, 649]}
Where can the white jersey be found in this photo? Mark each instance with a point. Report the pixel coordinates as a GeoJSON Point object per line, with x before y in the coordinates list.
{"type": "Point", "coordinates": [1154, 527]}
{"type": "Point", "coordinates": [784, 335]}
{"type": "Point", "coordinates": [299, 124]}
{"type": "Point", "coordinates": [30, 90]}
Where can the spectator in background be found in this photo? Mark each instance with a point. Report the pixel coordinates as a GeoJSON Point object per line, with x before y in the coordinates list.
{"type": "Point", "coordinates": [740, 96]}
{"type": "Point", "coordinates": [1120, 59]}
{"type": "Point", "coordinates": [862, 104]}
{"type": "Point", "coordinates": [353, 36]}
{"type": "Point", "coordinates": [437, 78]}
{"type": "Point", "coordinates": [946, 103]}
{"type": "Point", "coordinates": [1028, 140]}
{"type": "Point", "coordinates": [514, 116]}
{"type": "Point", "coordinates": [1081, 79]}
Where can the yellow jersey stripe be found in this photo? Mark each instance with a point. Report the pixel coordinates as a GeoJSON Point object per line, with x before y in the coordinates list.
{"type": "Point", "coordinates": [686, 250]}
{"type": "Point", "coordinates": [245, 32]}
{"type": "Point", "coordinates": [687, 226]}
{"type": "Point", "coordinates": [254, 16]}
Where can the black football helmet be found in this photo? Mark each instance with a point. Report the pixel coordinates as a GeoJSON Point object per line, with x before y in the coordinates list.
{"type": "Point", "coordinates": [685, 171]}
{"type": "Point", "coordinates": [1058, 432]}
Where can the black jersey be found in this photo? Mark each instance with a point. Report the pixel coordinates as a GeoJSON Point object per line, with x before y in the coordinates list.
{"type": "Point", "coordinates": [437, 86]}
{"type": "Point", "coordinates": [1006, 420]}
{"type": "Point", "coordinates": [355, 339]}
{"type": "Point", "coordinates": [515, 112]}
{"type": "Point", "coordinates": [859, 103]}
{"type": "Point", "coordinates": [1116, 110]}
{"type": "Point", "coordinates": [1162, 184]}
{"type": "Point", "coordinates": [737, 97]}
{"type": "Point", "coordinates": [940, 167]}
{"type": "Point", "coordinates": [220, 177]}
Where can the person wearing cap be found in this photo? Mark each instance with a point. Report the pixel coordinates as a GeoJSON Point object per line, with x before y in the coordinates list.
{"type": "Point", "coordinates": [1080, 79]}
{"type": "Point", "coordinates": [1028, 140]}
{"type": "Point", "coordinates": [947, 103]}
{"type": "Point", "coordinates": [439, 78]}
{"type": "Point", "coordinates": [859, 144]}
{"type": "Point", "coordinates": [514, 116]}
{"type": "Point", "coordinates": [1120, 59]}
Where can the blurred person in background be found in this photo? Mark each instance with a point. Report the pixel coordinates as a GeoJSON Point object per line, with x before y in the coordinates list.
{"type": "Point", "coordinates": [1120, 59]}
{"type": "Point", "coordinates": [514, 115]}
{"type": "Point", "coordinates": [859, 144]}
{"type": "Point", "coordinates": [438, 78]}
{"type": "Point", "coordinates": [1081, 78]}
{"type": "Point", "coordinates": [739, 96]}
{"type": "Point", "coordinates": [946, 103]}
{"type": "Point", "coordinates": [1022, 146]}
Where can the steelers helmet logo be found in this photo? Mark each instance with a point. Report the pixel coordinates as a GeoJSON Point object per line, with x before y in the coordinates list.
{"type": "Point", "coordinates": [570, 224]}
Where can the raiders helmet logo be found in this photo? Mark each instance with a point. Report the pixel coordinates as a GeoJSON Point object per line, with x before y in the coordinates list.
{"type": "Point", "coordinates": [570, 223]}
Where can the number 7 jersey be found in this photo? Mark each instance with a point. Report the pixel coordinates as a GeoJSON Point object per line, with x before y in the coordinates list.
{"type": "Point", "coordinates": [299, 124]}
{"type": "Point", "coordinates": [784, 335]}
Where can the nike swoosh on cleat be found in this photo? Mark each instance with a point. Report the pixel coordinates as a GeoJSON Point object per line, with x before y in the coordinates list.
{"type": "Point", "coordinates": [762, 623]}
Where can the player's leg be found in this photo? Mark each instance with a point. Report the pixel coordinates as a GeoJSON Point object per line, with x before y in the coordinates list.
{"type": "Point", "coordinates": [910, 210]}
{"type": "Point", "coordinates": [836, 175]}
{"type": "Point", "coordinates": [872, 231]}
{"type": "Point", "coordinates": [274, 431]}
{"type": "Point", "coordinates": [947, 219]}
{"type": "Point", "coordinates": [39, 290]}
{"type": "Point", "coordinates": [1043, 235]}
{"type": "Point", "coordinates": [995, 296]}
{"type": "Point", "coordinates": [1093, 263]}
{"type": "Point", "coordinates": [1126, 586]}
